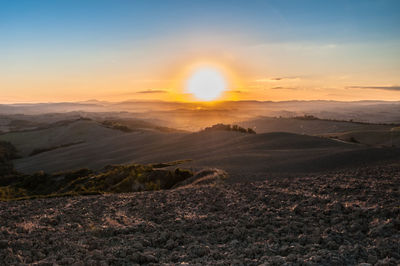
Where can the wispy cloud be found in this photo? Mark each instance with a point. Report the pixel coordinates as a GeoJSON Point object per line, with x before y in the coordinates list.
{"type": "Point", "coordinates": [388, 88]}
{"type": "Point", "coordinates": [274, 79]}
{"type": "Point", "coordinates": [152, 91]}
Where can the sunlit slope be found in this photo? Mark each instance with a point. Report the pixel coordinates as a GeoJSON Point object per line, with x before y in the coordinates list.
{"type": "Point", "coordinates": [64, 133]}
{"type": "Point", "coordinates": [239, 154]}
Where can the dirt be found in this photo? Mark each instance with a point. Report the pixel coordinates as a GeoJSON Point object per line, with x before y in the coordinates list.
{"type": "Point", "coordinates": [338, 218]}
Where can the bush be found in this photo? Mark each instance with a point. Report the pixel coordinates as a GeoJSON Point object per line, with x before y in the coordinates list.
{"type": "Point", "coordinates": [76, 174]}
{"type": "Point", "coordinates": [7, 153]}
{"type": "Point", "coordinates": [235, 128]}
{"type": "Point", "coordinates": [30, 182]}
{"type": "Point", "coordinates": [251, 131]}
{"type": "Point", "coordinates": [112, 179]}
{"type": "Point", "coordinates": [307, 117]}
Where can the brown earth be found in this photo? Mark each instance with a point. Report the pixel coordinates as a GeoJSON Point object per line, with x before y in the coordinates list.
{"type": "Point", "coordinates": [340, 218]}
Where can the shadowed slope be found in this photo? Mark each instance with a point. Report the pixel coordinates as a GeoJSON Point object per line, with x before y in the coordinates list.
{"type": "Point", "coordinates": [238, 154]}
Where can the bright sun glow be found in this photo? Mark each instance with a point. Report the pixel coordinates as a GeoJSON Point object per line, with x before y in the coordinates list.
{"type": "Point", "coordinates": [206, 84]}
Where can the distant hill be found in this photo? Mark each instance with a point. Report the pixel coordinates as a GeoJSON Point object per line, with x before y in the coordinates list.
{"type": "Point", "coordinates": [132, 124]}
{"type": "Point", "coordinates": [64, 133]}
{"type": "Point", "coordinates": [181, 114]}
{"type": "Point", "coordinates": [58, 134]}
{"type": "Point", "coordinates": [309, 125]}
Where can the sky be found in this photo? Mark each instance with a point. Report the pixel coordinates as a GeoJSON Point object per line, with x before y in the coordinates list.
{"type": "Point", "coordinates": [265, 50]}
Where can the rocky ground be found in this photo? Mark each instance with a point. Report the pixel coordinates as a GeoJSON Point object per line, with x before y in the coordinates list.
{"type": "Point", "coordinates": [343, 218]}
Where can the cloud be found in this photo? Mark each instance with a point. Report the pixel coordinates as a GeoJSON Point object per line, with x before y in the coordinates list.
{"type": "Point", "coordinates": [388, 88]}
{"type": "Point", "coordinates": [236, 91]}
{"type": "Point", "coordinates": [273, 79]}
{"type": "Point", "coordinates": [152, 91]}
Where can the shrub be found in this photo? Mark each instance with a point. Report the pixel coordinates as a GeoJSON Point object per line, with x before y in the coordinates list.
{"type": "Point", "coordinates": [30, 182]}
{"type": "Point", "coordinates": [7, 151]}
{"type": "Point", "coordinates": [7, 171]}
{"type": "Point", "coordinates": [251, 131]}
{"type": "Point", "coordinates": [235, 128]}
{"type": "Point", "coordinates": [112, 179]}
{"type": "Point", "coordinates": [77, 173]}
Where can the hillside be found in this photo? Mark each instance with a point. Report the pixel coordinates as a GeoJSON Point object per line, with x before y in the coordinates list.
{"type": "Point", "coordinates": [58, 134]}
{"type": "Point", "coordinates": [315, 126]}
{"type": "Point", "coordinates": [110, 179]}
{"type": "Point", "coordinates": [387, 138]}
{"type": "Point", "coordinates": [243, 156]}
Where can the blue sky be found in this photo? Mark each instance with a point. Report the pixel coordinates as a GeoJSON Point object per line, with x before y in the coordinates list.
{"type": "Point", "coordinates": [129, 20]}
{"type": "Point", "coordinates": [81, 40]}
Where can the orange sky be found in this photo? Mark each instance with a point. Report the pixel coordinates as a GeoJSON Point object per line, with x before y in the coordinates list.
{"type": "Point", "coordinates": [265, 50]}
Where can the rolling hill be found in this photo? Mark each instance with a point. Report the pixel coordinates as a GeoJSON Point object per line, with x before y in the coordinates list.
{"type": "Point", "coordinates": [243, 156]}
{"type": "Point", "coordinates": [63, 133]}
{"type": "Point", "coordinates": [309, 125]}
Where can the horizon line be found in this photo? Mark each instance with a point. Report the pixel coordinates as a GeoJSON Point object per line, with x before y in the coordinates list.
{"type": "Point", "coordinates": [184, 102]}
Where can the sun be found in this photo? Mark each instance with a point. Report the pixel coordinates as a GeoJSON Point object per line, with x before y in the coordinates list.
{"type": "Point", "coordinates": [206, 84]}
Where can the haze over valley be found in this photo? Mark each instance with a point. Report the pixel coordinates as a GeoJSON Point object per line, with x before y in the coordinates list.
{"type": "Point", "coordinates": [295, 141]}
